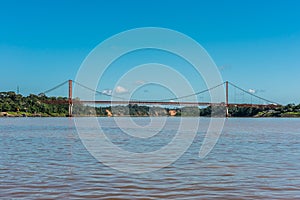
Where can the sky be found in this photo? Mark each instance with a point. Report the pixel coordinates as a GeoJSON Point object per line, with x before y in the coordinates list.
{"type": "Point", "coordinates": [255, 44]}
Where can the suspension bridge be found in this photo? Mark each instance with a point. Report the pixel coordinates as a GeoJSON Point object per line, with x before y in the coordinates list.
{"type": "Point", "coordinates": [169, 101]}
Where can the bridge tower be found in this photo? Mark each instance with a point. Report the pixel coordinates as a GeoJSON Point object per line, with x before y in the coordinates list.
{"type": "Point", "coordinates": [227, 103]}
{"type": "Point", "coordinates": [70, 101]}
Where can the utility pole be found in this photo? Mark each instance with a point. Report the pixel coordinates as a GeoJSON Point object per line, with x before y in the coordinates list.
{"type": "Point", "coordinates": [70, 101]}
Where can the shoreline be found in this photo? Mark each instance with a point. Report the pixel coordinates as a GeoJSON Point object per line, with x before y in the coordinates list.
{"type": "Point", "coordinates": [57, 115]}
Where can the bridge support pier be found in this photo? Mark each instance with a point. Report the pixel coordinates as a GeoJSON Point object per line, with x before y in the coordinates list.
{"type": "Point", "coordinates": [70, 101]}
{"type": "Point", "coordinates": [226, 103]}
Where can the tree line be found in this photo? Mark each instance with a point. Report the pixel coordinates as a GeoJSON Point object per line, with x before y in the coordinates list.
{"type": "Point", "coordinates": [39, 105]}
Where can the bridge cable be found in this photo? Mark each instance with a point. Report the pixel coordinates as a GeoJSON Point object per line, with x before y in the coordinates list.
{"type": "Point", "coordinates": [169, 99]}
{"type": "Point", "coordinates": [194, 94]}
{"type": "Point", "coordinates": [54, 88]}
{"type": "Point", "coordinates": [253, 94]}
{"type": "Point", "coordinates": [98, 92]}
{"type": "Point", "coordinates": [161, 100]}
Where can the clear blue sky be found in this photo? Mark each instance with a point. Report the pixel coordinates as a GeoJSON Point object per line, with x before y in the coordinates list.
{"type": "Point", "coordinates": [256, 44]}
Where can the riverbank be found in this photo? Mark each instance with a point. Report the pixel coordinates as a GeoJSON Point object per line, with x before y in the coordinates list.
{"type": "Point", "coordinates": [16, 105]}
{"type": "Point", "coordinates": [26, 114]}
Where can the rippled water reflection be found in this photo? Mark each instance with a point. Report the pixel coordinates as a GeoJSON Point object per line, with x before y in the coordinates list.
{"type": "Point", "coordinates": [253, 159]}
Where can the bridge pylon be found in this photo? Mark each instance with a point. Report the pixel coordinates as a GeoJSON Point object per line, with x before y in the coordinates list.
{"type": "Point", "coordinates": [70, 101]}
{"type": "Point", "coordinates": [227, 103]}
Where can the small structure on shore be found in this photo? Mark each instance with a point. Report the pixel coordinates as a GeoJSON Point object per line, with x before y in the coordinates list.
{"type": "Point", "coordinates": [109, 114]}
{"type": "Point", "coordinates": [3, 114]}
{"type": "Point", "coordinates": [172, 112]}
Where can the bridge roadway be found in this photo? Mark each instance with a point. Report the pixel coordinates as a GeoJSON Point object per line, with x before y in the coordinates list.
{"type": "Point", "coordinates": [175, 103]}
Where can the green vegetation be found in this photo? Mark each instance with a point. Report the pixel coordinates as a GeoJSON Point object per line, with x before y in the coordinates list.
{"type": "Point", "coordinates": [12, 104]}
{"type": "Point", "coordinates": [290, 110]}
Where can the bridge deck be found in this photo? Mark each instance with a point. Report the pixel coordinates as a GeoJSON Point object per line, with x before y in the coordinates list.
{"type": "Point", "coordinates": [159, 103]}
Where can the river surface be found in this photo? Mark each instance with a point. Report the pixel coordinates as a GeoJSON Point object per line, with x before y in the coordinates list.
{"type": "Point", "coordinates": [44, 158]}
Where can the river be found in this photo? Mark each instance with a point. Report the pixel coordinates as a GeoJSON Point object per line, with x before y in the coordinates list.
{"type": "Point", "coordinates": [44, 158]}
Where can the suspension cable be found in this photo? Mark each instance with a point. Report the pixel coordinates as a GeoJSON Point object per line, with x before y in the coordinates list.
{"type": "Point", "coordinates": [194, 94]}
{"type": "Point", "coordinates": [98, 92]}
{"type": "Point", "coordinates": [54, 88]}
{"type": "Point", "coordinates": [261, 98]}
{"type": "Point", "coordinates": [161, 100]}
{"type": "Point", "coordinates": [169, 99]}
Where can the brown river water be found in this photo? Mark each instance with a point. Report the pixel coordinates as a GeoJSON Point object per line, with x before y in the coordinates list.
{"type": "Point", "coordinates": [43, 158]}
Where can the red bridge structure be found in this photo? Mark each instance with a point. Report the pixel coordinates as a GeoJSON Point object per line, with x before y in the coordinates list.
{"type": "Point", "coordinates": [171, 101]}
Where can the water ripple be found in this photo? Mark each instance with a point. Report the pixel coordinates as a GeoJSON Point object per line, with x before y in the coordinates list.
{"type": "Point", "coordinates": [43, 158]}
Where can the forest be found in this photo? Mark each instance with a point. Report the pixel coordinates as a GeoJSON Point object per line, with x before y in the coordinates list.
{"type": "Point", "coordinates": [16, 105]}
